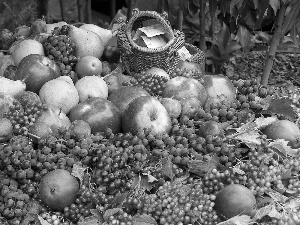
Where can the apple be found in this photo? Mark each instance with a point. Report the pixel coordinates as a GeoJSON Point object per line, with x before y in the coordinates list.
{"type": "Point", "coordinates": [88, 66]}
{"type": "Point", "coordinates": [35, 70]}
{"type": "Point", "coordinates": [55, 118]}
{"type": "Point", "coordinates": [146, 112]}
{"type": "Point", "coordinates": [111, 54]}
{"type": "Point", "coordinates": [79, 129]}
{"type": "Point", "coordinates": [124, 95]}
{"type": "Point", "coordinates": [6, 129]}
{"type": "Point", "coordinates": [24, 48]}
{"type": "Point", "coordinates": [39, 130]}
{"type": "Point", "coordinates": [173, 106]}
{"type": "Point", "coordinates": [181, 87]}
{"type": "Point", "coordinates": [220, 87]}
{"type": "Point", "coordinates": [58, 189]}
{"type": "Point", "coordinates": [99, 113]}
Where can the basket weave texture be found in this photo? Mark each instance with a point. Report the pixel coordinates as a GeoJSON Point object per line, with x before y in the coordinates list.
{"type": "Point", "coordinates": [137, 58]}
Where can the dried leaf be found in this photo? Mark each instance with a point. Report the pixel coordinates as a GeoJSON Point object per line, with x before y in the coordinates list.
{"type": "Point", "coordinates": [237, 220]}
{"type": "Point", "coordinates": [111, 212]}
{"type": "Point", "coordinates": [78, 171]}
{"type": "Point", "coordinates": [143, 219]}
{"type": "Point", "coordinates": [280, 146]}
{"type": "Point", "coordinates": [252, 137]}
{"type": "Point", "coordinates": [274, 213]}
{"type": "Point", "coordinates": [151, 178]}
{"type": "Point", "coordinates": [167, 168]}
{"type": "Point", "coordinates": [264, 211]}
{"type": "Point", "coordinates": [277, 196]}
{"type": "Point", "coordinates": [283, 106]}
{"type": "Point", "coordinates": [263, 122]}
{"type": "Point", "coordinates": [42, 221]}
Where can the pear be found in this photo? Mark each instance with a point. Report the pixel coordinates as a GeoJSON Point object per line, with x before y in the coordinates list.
{"type": "Point", "coordinates": [60, 93]}
{"type": "Point", "coordinates": [11, 87]}
{"type": "Point", "coordinates": [105, 34]}
{"type": "Point", "coordinates": [87, 42]}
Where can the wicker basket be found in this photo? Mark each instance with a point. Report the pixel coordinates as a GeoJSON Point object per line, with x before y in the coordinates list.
{"type": "Point", "coordinates": [137, 58]}
{"type": "Point", "coordinates": [198, 56]}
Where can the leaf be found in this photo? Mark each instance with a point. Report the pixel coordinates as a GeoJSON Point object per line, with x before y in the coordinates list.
{"type": "Point", "coordinates": [143, 219]}
{"type": "Point", "coordinates": [111, 212]}
{"type": "Point", "coordinates": [287, 175]}
{"type": "Point", "coordinates": [140, 182]}
{"type": "Point", "coordinates": [263, 122]}
{"type": "Point", "coordinates": [151, 178]}
{"type": "Point", "coordinates": [42, 221]}
{"type": "Point", "coordinates": [283, 106]}
{"type": "Point", "coordinates": [291, 17]}
{"type": "Point", "coordinates": [237, 170]}
{"type": "Point", "coordinates": [119, 199]}
{"type": "Point", "coordinates": [244, 36]}
{"type": "Point", "coordinates": [251, 137]}
{"type": "Point", "coordinates": [280, 146]}
{"type": "Point", "coordinates": [181, 180]}
{"type": "Point", "coordinates": [292, 203]}
{"type": "Point", "coordinates": [275, 4]}
{"type": "Point", "coordinates": [78, 171]}
{"type": "Point", "coordinates": [167, 168]}
{"type": "Point", "coordinates": [201, 167]}
{"type": "Point", "coordinates": [90, 220]}
{"type": "Point", "coordinates": [97, 214]}
{"type": "Point", "coordinates": [277, 196]}
{"type": "Point", "coordinates": [264, 211]}
{"type": "Point", "coordinates": [274, 213]}
{"type": "Point", "coordinates": [237, 220]}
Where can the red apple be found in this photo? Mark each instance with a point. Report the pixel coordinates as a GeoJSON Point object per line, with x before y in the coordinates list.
{"type": "Point", "coordinates": [220, 87]}
{"type": "Point", "coordinates": [35, 70]}
{"type": "Point", "coordinates": [99, 113]}
{"type": "Point", "coordinates": [124, 95]}
{"type": "Point", "coordinates": [146, 112]}
{"type": "Point", "coordinates": [181, 87]}
{"type": "Point", "coordinates": [88, 66]}
{"type": "Point", "coordinates": [58, 189]}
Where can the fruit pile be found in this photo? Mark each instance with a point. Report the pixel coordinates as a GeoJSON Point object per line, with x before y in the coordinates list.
{"type": "Point", "coordinates": [82, 141]}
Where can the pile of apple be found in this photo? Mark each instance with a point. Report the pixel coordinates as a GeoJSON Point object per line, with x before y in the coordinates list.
{"type": "Point", "coordinates": [101, 98]}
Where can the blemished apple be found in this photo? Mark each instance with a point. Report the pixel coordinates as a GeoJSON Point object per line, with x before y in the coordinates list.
{"type": "Point", "coordinates": [124, 95]}
{"type": "Point", "coordinates": [173, 106]}
{"type": "Point", "coordinates": [88, 66]}
{"type": "Point", "coordinates": [58, 189]}
{"type": "Point", "coordinates": [146, 112]}
{"type": "Point", "coordinates": [220, 87]}
{"type": "Point", "coordinates": [181, 87]}
{"type": "Point", "coordinates": [35, 70]}
{"type": "Point", "coordinates": [25, 48]}
{"type": "Point", "coordinates": [99, 113]}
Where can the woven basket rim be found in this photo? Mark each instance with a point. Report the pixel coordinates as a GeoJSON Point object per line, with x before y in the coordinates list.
{"type": "Point", "coordinates": [157, 16]}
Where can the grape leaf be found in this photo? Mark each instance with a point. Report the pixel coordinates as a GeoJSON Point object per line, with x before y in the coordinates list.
{"type": "Point", "coordinates": [90, 220]}
{"type": "Point", "coordinates": [264, 211]}
{"type": "Point", "coordinates": [78, 171]}
{"type": "Point", "coordinates": [251, 137]}
{"type": "Point", "coordinates": [281, 147]}
{"type": "Point", "coordinates": [293, 203]}
{"type": "Point", "coordinates": [143, 219]}
{"type": "Point", "coordinates": [274, 213]}
{"type": "Point", "coordinates": [277, 196]}
{"type": "Point", "coordinates": [182, 179]}
{"type": "Point", "coordinates": [42, 221]}
{"type": "Point", "coordinates": [111, 212]}
{"type": "Point", "coordinates": [263, 122]}
{"type": "Point", "coordinates": [119, 198]}
{"type": "Point", "coordinates": [167, 168]}
{"type": "Point", "coordinates": [97, 213]}
{"type": "Point", "coordinates": [282, 106]}
{"type": "Point", "coordinates": [287, 174]}
{"type": "Point", "coordinates": [140, 182]}
{"type": "Point", "coordinates": [237, 220]}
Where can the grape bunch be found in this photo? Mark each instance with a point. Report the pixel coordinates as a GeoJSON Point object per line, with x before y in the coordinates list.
{"type": "Point", "coordinates": [60, 48]}
{"type": "Point", "coordinates": [185, 73]}
{"type": "Point", "coordinates": [251, 94]}
{"type": "Point", "coordinates": [152, 83]}
{"type": "Point", "coordinates": [12, 202]}
{"type": "Point", "coordinates": [176, 202]}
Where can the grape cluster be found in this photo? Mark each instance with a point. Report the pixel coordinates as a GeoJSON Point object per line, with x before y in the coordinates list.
{"type": "Point", "coordinates": [179, 203]}
{"type": "Point", "coordinates": [12, 201]}
{"type": "Point", "coordinates": [250, 93]}
{"type": "Point", "coordinates": [152, 83]}
{"type": "Point", "coordinates": [54, 218]}
{"type": "Point", "coordinates": [120, 218]}
{"type": "Point", "coordinates": [23, 119]}
{"type": "Point", "coordinates": [60, 48]}
{"type": "Point", "coordinates": [185, 73]}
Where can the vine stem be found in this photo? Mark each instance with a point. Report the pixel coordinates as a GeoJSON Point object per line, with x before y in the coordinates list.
{"type": "Point", "coordinates": [278, 33]}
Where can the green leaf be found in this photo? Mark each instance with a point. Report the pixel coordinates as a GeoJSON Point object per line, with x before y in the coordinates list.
{"type": "Point", "coordinates": [78, 171]}
{"type": "Point", "coordinates": [264, 6]}
{"type": "Point", "coordinates": [291, 18]}
{"type": "Point", "coordinates": [262, 212]}
{"type": "Point", "coordinates": [214, 54]}
{"type": "Point", "coordinates": [275, 4]}
{"type": "Point", "coordinates": [111, 212]}
{"type": "Point", "coordinates": [244, 36]}
{"type": "Point", "coordinates": [282, 106]}
{"type": "Point", "coordinates": [119, 199]}
{"type": "Point", "coordinates": [232, 47]}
